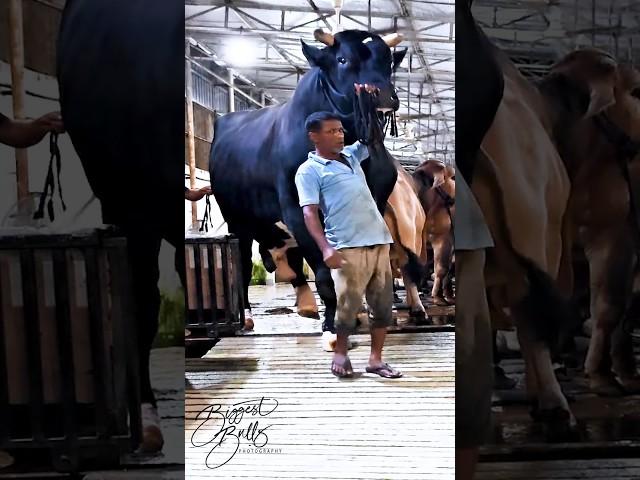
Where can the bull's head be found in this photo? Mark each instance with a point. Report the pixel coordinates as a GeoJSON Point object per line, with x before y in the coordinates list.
{"type": "Point", "coordinates": [354, 56]}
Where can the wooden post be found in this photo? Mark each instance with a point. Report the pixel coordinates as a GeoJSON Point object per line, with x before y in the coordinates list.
{"type": "Point", "coordinates": [16, 45]}
{"type": "Point", "coordinates": [190, 133]}
{"type": "Point", "coordinates": [232, 92]}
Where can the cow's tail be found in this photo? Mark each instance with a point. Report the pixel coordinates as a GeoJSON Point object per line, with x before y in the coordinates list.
{"type": "Point", "coordinates": [413, 269]}
{"type": "Point", "coordinates": [549, 315]}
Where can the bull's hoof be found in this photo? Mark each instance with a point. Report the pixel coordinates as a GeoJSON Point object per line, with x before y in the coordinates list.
{"type": "Point", "coordinates": [450, 299]}
{"type": "Point", "coordinates": [605, 385]}
{"type": "Point", "coordinates": [308, 313]}
{"type": "Point", "coordinates": [306, 302]}
{"type": "Point", "coordinates": [329, 341]}
{"type": "Point", "coordinates": [630, 384]}
{"type": "Point", "coordinates": [248, 321]}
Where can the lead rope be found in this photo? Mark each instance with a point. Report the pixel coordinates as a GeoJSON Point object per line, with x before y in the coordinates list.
{"type": "Point", "coordinates": [49, 184]}
{"type": "Point", "coordinates": [206, 221]}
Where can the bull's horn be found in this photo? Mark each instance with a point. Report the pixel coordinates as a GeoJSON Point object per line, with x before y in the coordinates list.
{"type": "Point", "coordinates": [323, 37]}
{"type": "Point", "coordinates": [392, 39]}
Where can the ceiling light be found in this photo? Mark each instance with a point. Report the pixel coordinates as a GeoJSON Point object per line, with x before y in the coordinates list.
{"type": "Point", "coordinates": [241, 52]}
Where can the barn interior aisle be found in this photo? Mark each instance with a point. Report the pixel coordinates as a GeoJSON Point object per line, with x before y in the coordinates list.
{"type": "Point", "coordinates": [265, 385]}
{"type": "Point", "coordinates": [364, 428]}
{"type": "Point", "coordinates": [576, 413]}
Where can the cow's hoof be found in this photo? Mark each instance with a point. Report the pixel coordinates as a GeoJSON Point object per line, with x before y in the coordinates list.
{"type": "Point", "coordinates": [306, 302]}
{"type": "Point", "coordinates": [559, 424]}
{"type": "Point", "coordinates": [441, 302]}
{"type": "Point", "coordinates": [501, 381]}
{"type": "Point", "coordinates": [605, 385]}
{"type": "Point", "coordinates": [451, 300]}
{"type": "Point", "coordinates": [630, 384]}
{"type": "Point", "coordinates": [419, 317]}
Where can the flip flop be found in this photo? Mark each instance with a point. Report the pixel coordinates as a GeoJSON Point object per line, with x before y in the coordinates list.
{"type": "Point", "coordinates": [384, 370]}
{"type": "Point", "coordinates": [346, 366]}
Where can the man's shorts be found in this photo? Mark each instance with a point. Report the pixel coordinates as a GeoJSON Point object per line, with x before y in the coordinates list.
{"type": "Point", "coordinates": [367, 271]}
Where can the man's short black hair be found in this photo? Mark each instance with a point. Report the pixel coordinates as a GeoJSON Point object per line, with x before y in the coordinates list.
{"type": "Point", "coordinates": [313, 123]}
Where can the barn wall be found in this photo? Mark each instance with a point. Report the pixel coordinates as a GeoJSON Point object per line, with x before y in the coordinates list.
{"type": "Point", "coordinates": [203, 126]}
{"type": "Point", "coordinates": [41, 23]}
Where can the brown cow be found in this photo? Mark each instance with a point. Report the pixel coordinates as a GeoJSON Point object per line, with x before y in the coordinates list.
{"type": "Point", "coordinates": [437, 192]}
{"type": "Point", "coordinates": [406, 221]}
{"type": "Point", "coordinates": [523, 187]}
{"type": "Point", "coordinates": [594, 153]}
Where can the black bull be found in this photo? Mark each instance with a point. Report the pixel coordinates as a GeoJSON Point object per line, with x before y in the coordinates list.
{"type": "Point", "coordinates": [255, 154]}
{"type": "Point", "coordinates": [121, 76]}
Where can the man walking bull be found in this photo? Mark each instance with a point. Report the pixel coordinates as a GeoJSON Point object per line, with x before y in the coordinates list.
{"type": "Point", "coordinates": [355, 240]}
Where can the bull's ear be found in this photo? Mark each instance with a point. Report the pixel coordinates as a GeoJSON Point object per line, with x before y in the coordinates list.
{"type": "Point", "coordinates": [398, 56]}
{"type": "Point", "coordinates": [315, 56]}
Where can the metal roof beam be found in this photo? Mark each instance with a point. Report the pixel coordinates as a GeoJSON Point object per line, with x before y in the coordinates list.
{"type": "Point", "coordinates": [436, 16]}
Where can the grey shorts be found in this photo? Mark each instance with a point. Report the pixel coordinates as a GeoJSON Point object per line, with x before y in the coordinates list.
{"type": "Point", "coordinates": [367, 272]}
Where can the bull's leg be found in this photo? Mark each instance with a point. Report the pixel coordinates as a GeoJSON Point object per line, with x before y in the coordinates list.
{"type": "Point", "coordinates": [293, 218]}
{"type": "Point", "coordinates": [611, 276]}
{"type": "Point", "coordinates": [305, 299]}
{"type": "Point", "coordinates": [245, 241]}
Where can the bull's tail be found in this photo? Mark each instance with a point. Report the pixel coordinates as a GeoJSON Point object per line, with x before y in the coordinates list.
{"type": "Point", "coordinates": [413, 268]}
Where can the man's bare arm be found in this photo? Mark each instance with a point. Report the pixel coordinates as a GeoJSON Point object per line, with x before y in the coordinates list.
{"type": "Point", "coordinates": [23, 134]}
{"type": "Point", "coordinates": [331, 257]}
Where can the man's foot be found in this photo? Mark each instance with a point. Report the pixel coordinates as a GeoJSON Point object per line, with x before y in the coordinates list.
{"type": "Point", "coordinates": [341, 366]}
{"type": "Point", "coordinates": [152, 439]}
{"type": "Point", "coordinates": [384, 370]}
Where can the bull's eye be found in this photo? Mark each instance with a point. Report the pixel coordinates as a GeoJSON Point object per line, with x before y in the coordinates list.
{"type": "Point", "coordinates": [342, 60]}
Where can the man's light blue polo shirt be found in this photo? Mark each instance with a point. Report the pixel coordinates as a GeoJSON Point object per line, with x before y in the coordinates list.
{"type": "Point", "coordinates": [351, 216]}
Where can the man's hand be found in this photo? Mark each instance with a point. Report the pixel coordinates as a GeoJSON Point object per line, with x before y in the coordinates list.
{"type": "Point", "coordinates": [51, 122]}
{"type": "Point", "coordinates": [26, 133]}
{"type": "Point", "coordinates": [197, 194]}
{"type": "Point", "coordinates": [332, 258]}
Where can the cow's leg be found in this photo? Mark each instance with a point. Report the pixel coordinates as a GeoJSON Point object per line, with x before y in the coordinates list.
{"type": "Point", "coordinates": [441, 257]}
{"type": "Point", "coordinates": [550, 404]}
{"type": "Point", "coordinates": [417, 313]}
{"type": "Point", "coordinates": [611, 278]}
{"type": "Point", "coordinates": [305, 299]}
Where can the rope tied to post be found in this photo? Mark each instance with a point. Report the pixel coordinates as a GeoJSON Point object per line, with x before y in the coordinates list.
{"type": "Point", "coordinates": [49, 184]}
